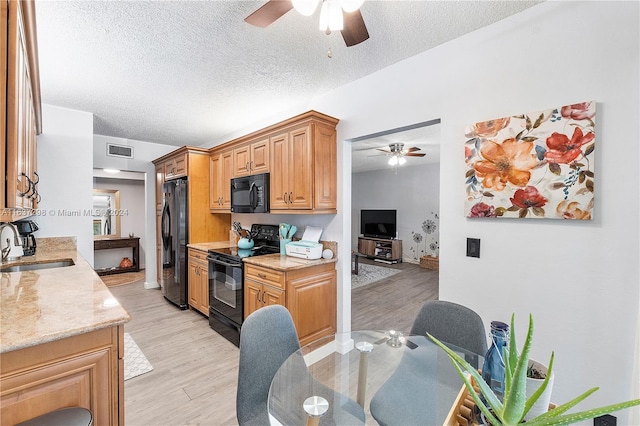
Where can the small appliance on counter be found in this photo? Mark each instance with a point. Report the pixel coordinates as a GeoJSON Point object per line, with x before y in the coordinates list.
{"type": "Point", "coordinates": [26, 228]}
{"type": "Point", "coordinates": [308, 247]}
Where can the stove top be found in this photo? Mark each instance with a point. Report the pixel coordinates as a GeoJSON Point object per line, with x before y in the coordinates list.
{"type": "Point", "coordinates": [266, 241]}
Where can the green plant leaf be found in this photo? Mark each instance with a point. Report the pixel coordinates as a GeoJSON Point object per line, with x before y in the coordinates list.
{"type": "Point", "coordinates": [517, 395]}
{"type": "Point", "coordinates": [582, 415]}
{"type": "Point", "coordinates": [560, 409]}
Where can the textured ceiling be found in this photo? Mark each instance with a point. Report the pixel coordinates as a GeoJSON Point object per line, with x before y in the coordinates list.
{"type": "Point", "coordinates": [192, 72]}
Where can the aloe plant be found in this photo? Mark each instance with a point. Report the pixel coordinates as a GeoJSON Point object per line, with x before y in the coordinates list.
{"type": "Point", "coordinates": [515, 405]}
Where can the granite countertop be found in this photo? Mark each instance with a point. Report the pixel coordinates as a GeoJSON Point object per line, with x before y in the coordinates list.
{"type": "Point", "coordinates": [44, 305]}
{"type": "Point", "coordinates": [284, 263]}
{"type": "Point", "coordinates": [211, 245]}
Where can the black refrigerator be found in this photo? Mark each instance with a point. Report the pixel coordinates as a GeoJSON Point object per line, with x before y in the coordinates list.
{"type": "Point", "coordinates": [174, 242]}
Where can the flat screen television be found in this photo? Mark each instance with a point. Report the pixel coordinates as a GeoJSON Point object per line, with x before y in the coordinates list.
{"type": "Point", "coordinates": [378, 223]}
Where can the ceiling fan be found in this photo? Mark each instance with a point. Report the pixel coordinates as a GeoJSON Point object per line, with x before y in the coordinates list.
{"type": "Point", "coordinates": [398, 153]}
{"type": "Point", "coordinates": [342, 15]}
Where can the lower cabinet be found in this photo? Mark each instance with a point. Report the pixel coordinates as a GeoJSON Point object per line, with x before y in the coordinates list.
{"type": "Point", "coordinates": [79, 371]}
{"type": "Point", "coordinates": [198, 279]}
{"type": "Point", "coordinates": [308, 293]}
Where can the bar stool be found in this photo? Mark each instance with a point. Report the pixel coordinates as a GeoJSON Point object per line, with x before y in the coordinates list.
{"type": "Point", "coordinates": [72, 416]}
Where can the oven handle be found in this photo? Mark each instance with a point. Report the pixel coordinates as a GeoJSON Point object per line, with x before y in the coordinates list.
{"type": "Point", "coordinates": [233, 265]}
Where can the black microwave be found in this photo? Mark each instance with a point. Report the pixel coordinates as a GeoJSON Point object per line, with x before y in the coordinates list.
{"type": "Point", "coordinates": [250, 194]}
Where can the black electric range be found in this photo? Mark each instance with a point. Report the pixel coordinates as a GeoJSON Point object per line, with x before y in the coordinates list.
{"type": "Point", "coordinates": [226, 280]}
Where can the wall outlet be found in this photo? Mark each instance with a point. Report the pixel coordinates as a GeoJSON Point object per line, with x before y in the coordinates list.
{"type": "Point", "coordinates": [606, 420]}
{"type": "Point", "coordinates": [473, 247]}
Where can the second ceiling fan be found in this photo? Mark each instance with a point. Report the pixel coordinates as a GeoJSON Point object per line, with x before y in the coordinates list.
{"type": "Point", "coordinates": [342, 15]}
{"type": "Point", "coordinates": [397, 152]}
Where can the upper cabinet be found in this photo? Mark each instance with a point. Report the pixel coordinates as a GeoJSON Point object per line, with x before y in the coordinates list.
{"type": "Point", "coordinates": [221, 171]}
{"type": "Point", "coordinates": [20, 105]}
{"type": "Point", "coordinates": [176, 166]}
{"type": "Point", "coordinates": [300, 155]}
{"type": "Point", "coordinates": [251, 159]}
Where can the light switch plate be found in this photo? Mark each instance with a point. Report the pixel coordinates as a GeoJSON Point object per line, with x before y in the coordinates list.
{"type": "Point", "coordinates": [473, 247]}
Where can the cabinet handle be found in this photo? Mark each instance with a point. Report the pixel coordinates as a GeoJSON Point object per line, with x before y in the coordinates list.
{"type": "Point", "coordinates": [246, 166]}
{"type": "Point", "coordinates": [262, 276]}
{"type": "Point", "coordinates": [251, 165]}
{"type": "Point", "coordinates": [258, 295]}
{"type": "Point", "coordinates": [291, 198]}
{"type": "Point", "coordinates": [284, 198]}
{"type": "Point", "coordinates": [263, 294]}
{"type": "Point", "coordinates": [221, 201]}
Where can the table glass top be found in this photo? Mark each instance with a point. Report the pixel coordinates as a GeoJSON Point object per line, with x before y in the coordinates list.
{"type": "Point", "coordinates": [408, 378]}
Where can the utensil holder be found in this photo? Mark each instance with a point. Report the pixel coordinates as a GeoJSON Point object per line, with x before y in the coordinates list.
{"type": "Point", "coordinates": [283, 243]}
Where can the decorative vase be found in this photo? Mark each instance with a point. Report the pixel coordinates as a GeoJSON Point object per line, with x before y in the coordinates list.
{"type": "Point", "coordinates": [493, 368]}
{"type": "Point", "coordinates": [126, 263]}
{"type": "Point", "coordinates": [245, 243]}
{"type": "Point", "coordinates": [542, 404]}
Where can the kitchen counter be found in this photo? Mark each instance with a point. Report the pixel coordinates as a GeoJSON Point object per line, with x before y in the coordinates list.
{"type": "Point", "coordinates": [47, 305]}
{"type": "Point", "coordinates": [281, 262]}
{"type": "Point", "coordinates": [212, 245]}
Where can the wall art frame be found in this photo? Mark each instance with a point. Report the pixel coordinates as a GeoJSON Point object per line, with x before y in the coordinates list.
{"type": "Point", "coordinates": [536, 165]}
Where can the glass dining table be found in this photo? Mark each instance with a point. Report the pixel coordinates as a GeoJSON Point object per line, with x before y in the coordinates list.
{"type": "Point", "coordinates": [367, 377]}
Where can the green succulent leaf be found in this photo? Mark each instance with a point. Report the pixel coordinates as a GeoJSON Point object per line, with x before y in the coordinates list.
{"type": "Point", "coordinates": [516, 395]}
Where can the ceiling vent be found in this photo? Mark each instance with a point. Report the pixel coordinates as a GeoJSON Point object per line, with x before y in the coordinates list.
{"type": "Point", "coordinates": [119, 151]}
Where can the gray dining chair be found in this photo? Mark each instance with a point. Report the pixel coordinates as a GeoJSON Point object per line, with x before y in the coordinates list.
{"type": "Point", "coordinates": [403, 399]}
{"type": "Point", "coordinates": [267, 338]}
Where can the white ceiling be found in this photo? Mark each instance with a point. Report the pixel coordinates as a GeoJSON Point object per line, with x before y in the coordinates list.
{"type": "Point", "coordinates": [193, 72]}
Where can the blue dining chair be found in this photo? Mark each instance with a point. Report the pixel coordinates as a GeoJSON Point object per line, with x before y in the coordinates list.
{"type": "Point", "coordinates": [410, 391]}
{"type": "Point", "coordinates": [267, 338]}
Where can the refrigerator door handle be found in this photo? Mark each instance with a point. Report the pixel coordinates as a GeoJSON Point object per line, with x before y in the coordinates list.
{"type": "Point", "coordinates": [166, 226]}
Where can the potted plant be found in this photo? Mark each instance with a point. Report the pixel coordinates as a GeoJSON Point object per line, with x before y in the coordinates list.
{"type": "Point", "coordinates": [514, 407]}
{"type": "Point", "coordinates": [536, 375]}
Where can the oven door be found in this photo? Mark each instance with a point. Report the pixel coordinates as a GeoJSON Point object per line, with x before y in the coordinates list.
{"type": "Point", "coordinates": [225, 288]}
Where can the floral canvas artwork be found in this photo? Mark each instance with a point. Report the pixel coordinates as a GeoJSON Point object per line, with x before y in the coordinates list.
{"type": "Point", "coordinates": [538, 165]}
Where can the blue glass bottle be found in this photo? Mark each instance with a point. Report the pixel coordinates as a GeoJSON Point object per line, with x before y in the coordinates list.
{"type": "Point", "coordinates": [493, 367]}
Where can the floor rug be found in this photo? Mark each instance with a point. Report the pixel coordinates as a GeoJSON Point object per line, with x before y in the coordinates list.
{"type": "Point", "coordinates": [121, 279]}
{"type": "Point", "coordinates": [368, 274]}
{"type": "Point", "coordinates": [135, 363]}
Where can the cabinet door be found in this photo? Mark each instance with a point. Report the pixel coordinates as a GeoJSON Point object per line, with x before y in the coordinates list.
{"type": "Point", "coordinates": [242, 161]}
{"type": "Point", "coordinates": [221, 170]}
{"type": "Point", "coordinates": [215, 172]}
{"type": "Point", "coordinates": [159, 183]}
{"type": "Point", "coordinates": [325, 161]}
{"type": "Point", "coordinates": [300, 164]}
{"type": "Point", "coordinates": [225, 180]}
{"type": "Point", "coordinates": [312, 303]}
{"type": "Point", "coordinates": [193, 281]}
{"type": "Point", "coordinates": [279, 179]}
{"type": "Point", "coordinates": [203, 282]}
{"type": "Point", "coordinates": [252, 297]}
{"type": "Point", "coordinates": [260, 157]}
{"type": "Point", "coordinates": [367, 247]}
{"type": "Point", "coordinates": [273, 296]}
{"type": "Point", "coordinates": [169, 169]}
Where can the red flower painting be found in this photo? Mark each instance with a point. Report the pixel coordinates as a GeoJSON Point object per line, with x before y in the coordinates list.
{"type": "Point", "coordinates": [536, 165]}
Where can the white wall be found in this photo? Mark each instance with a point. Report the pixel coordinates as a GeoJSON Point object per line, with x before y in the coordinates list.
{"type": "Point", "coordinates": [65, 150]}
{"type": "Point", "coordinates": [143, 153]}
{"type": "Point", "coordinates": [579, 280]}
{"type": "Point", "coordinates": [413, 191]}
{"type": "Point", "coordinates": [132, 220]}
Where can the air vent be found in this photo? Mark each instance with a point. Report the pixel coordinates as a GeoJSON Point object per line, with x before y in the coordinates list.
{"type": "Point", "coordinates": [119, 151]}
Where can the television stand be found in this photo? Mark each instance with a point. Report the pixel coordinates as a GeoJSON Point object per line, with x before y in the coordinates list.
{"type": "Point", "coordinates": [381, 250]}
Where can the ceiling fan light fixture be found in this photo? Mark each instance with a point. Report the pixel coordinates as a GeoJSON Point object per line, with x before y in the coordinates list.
{"type": "Point", "coordinates": [351, 5]}
{"type": "Point", "coordinates": [393, 161]}
{"type": "Point", "coordinates": [305, 7]}
{"type": "Point", "coordinates": [331, 16]}
{"type": "Point", "coordinates": [401, 161]}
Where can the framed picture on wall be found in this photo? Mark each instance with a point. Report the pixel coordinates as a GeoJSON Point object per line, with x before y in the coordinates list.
{"type": "Point", "coordinates": [537, 165]}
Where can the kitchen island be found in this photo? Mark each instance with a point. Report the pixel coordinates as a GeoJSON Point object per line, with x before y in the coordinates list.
{"type": "Point", "coordinates": [61, 338]}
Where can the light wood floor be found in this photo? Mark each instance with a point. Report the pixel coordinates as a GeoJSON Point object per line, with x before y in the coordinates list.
{"type": "Point", "coordinates": [195, 370]}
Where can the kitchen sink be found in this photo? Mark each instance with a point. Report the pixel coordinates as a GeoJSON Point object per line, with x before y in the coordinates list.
{"type": "Point", "coordinates": [38, 265]}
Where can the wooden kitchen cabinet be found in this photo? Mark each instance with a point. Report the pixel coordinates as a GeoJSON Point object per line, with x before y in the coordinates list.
{"type": "Point", "coordinates": [86, 370]}
{"type": "Point", "coordinates": [21, 106]}
{"type": "Point", "coordinates": [251, 159]}
{"type": "Point", "coordinates": [198, 280]}
{"type": "Point", "coordinates": [300, 155]}
{"type": "Point", "coordinates": [304, 172]}
{"type": "Point", "coordinates": [176, 166]}
{"type": "Point", "coordinates": [308, 293]}
{"type": "Point", "coordinates": [221, 171]}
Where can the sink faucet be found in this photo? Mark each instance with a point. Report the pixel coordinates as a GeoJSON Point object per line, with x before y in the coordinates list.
{"type": "Point", "coordinates": [17, 241]}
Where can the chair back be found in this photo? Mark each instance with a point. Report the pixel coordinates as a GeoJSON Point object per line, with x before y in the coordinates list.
{"type": "Point", "coordinates": [452, 323]}
{"type": "Point", "coordinates": [267, 338]}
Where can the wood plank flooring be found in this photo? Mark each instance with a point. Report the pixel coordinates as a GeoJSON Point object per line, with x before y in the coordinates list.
{"type": "Point", "coordinates": [195, 370]}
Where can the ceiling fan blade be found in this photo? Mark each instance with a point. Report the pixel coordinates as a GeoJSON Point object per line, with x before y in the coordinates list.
{"type": "Point", "coordinates": [355, 31]}
{"type": "Point", "coordinates": [410, 154]}
{"type": "Point", "coordinates": [412, 149]}
{"type": "Point", "coordinates": [268, 13]}
{"type": "Point", "coordinates": [385, 149]}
